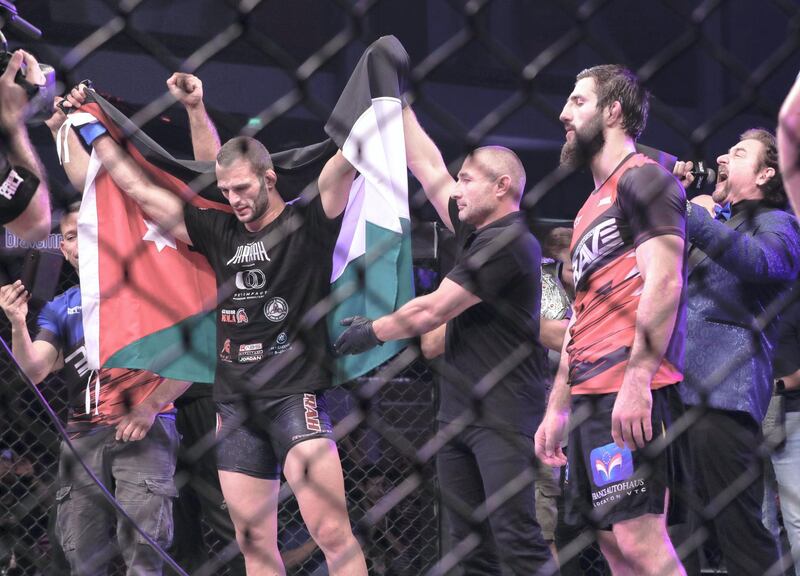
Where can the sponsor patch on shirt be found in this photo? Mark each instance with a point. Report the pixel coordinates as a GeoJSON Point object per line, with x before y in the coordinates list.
{"type": "Point", "coordinates": [225, 353]}
{"type": "Point", "coordinates": [254, 279]}
{"type": "Point", "coordinates": [253, 252]}
{"type": "Point", "coordinates": [281, 345]}
{"type": "Point", "coordinates": [251, 352]}
{"type": "Point", "coordinates": [233, 316]}
{"type": "Point", "coordinates": [276, 309]}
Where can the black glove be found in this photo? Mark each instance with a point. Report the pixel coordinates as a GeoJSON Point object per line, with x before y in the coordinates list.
{"type": "Point", "coordinates": [358, 338]}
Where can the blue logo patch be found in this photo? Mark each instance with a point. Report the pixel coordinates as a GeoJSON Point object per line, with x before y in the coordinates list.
{"type": "Point", "coordinates": [611, 464]}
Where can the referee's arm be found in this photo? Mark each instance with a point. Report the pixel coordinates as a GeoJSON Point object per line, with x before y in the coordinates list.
{"type": "Point", "coordinates": [425, 313]}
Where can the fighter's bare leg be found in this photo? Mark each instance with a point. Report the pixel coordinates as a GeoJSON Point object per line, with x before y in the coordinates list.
{"type": "Point", "coordinates": [314, 473]}
{"type": "Point", "coordinates": [641, 546]}
{"type": "Point", "coordinates": [253, 506]}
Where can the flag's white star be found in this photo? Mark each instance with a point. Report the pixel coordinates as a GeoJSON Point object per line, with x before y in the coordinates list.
{"type": "Point", "coordinates": [155, 235]}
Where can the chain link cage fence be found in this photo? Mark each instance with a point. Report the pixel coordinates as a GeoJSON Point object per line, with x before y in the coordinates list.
{"type": "Point", "coordinates": [482, 72]}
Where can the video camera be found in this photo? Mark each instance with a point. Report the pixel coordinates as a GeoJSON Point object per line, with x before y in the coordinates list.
{"type": "Point", "coordinates": [39, 96]}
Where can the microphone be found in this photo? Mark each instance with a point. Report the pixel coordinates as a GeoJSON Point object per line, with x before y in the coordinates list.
{"type": "Point", "coordinates": [703, 175]}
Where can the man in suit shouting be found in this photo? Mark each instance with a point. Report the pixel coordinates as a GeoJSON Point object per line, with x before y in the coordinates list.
{"type": "Point", "coordinates": [745, 252]}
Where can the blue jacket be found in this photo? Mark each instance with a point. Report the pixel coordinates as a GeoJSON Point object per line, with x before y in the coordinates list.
{"type": "Point", "coordinates": [744, 265]}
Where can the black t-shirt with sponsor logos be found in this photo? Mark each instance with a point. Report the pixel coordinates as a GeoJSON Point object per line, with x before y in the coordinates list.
{"type": "Point", "coordinates": [492, 349]}
{"type": "Point", "coordinates": [269, 341]}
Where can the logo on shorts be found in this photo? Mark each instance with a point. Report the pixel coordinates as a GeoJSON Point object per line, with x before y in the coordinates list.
{"type": "Point", "coordinates": [611, 464]}
{"type": "Point", "coordinates": [276, 309]}
{"type": "Point", "coordinates": [312, 414]}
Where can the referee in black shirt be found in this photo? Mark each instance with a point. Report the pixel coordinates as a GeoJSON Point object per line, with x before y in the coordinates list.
{"type": "Point", "coordinates": [493, 387]}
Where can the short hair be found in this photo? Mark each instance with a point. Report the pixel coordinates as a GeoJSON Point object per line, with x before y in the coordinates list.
{"type": "Point", "coordinates": [556, 241]}
{"type": "Point", "coordinates": [245, 148]}
{"type": "Point", "coordinates": [71, 208]}
{"type": "Point", "coordinates": [772, 189]}
{"type": "Point", "coordinates": [501, 160]}
{"type": "Point", "coordinates": [615, 83]}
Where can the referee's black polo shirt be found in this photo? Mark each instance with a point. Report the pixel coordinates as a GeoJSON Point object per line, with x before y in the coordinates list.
{"type": "Point", "coordinates": [492, 349]}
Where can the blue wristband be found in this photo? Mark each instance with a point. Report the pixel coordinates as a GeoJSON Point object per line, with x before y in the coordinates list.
{"type": "Point", "coordinates": [90, 132]}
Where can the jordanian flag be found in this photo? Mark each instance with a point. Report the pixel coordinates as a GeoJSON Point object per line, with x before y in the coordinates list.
{"type": "Point", "coordinates": [372, 266]}
{"type": "Point", "coordinates": [148, 301]}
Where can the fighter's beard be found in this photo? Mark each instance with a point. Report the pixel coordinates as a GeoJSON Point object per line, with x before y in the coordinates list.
{"type": "Point", "coordinates": [583, 147]}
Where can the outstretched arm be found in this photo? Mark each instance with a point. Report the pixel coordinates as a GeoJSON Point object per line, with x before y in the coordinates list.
{"type": "Point", "coordinates": [416, 317]}
{"type": "Point", "coordinates": [771, 254]}
{"type": "Point", "coordinates": [164, 207]}
{"type": "Point", "coordinates": [188, 90]}
{"type": "Point", "coordinates": [425, 313]}
{"type": "Point", "coordinates": [427, 165]}
{"type": "Point", "coordinates": [34, 221]}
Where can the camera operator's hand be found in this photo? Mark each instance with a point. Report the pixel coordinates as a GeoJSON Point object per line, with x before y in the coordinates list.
{"type": "Point", "coordinates": [186, 89]}
{"type": "Point", "coordinates": [13, 98]}
{"type": "Point", "coordinates": [683, 172]}
{"type": "Point", "coordinates": [14, 302]}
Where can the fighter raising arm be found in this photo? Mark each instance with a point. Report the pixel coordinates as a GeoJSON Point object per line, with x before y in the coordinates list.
{"type": "Point", "coordinates": [166, 208]}
{"type": "Point", "coordinates": [789, 145]}
{"type": "Point", "coordinates": [188, 90]}
{"type": "Point", "coordinates": [158, 203]}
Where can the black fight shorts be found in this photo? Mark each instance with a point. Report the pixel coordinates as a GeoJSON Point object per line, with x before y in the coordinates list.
{"type": "Point", "coordinates": [254, 439]}
{"type": "Point", "coordinates": [606, 484]}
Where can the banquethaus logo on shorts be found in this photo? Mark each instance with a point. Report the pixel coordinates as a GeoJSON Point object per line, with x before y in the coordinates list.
{"type": "Point", "coordinates": [610, 464]}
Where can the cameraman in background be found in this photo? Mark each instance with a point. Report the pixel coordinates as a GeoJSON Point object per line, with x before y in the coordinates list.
{"type": "Point", "coordinates": [24, 197]}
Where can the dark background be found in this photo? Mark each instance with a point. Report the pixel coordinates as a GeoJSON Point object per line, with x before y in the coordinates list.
{"type": "Point", "coordinates": [714, 68]}
{"type": "Point", "coordinates": [484, 72]}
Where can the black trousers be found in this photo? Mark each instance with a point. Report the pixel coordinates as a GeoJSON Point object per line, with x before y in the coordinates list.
{"type": "Point", "coordinates": [730, 483]}
{"type": "Point", "coordinates": [483, 463]}
{"type": "Point", "coordinates": [199, 490]}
